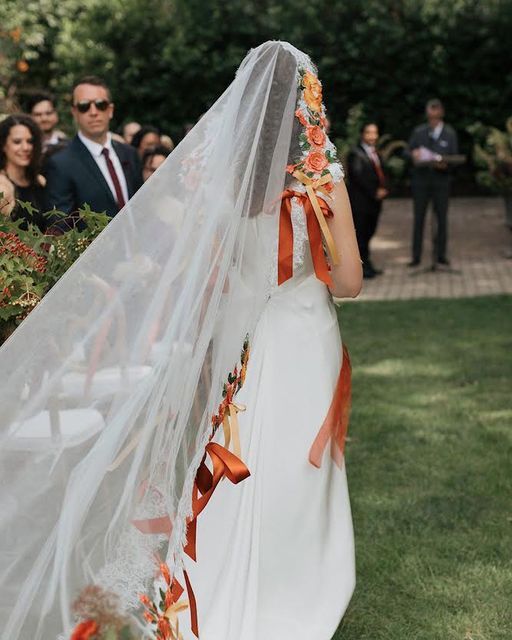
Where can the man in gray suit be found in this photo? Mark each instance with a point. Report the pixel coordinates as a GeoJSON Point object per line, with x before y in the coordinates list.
{"type": "Point", "coordinates": [431, 178]}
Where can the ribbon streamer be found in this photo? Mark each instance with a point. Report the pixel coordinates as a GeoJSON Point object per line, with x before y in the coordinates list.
{"type": "Point", "coordinates": [335, 425]}
{"type": "Point", "coordinates": [316, 210]}
{"type": "Point", "coordinates": [194, 625]}
{"type": "Point", "coordinates": [171, 613]}
{"type": "Point", "coordinates": [231, 428]}
{"type": "Point", "coordinates": [225, 464]}
{"type": "Point", "coordinates": [175, 606]}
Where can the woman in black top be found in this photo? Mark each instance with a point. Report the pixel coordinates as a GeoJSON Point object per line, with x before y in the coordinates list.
{"type": "Point", "coordinates": [20, 156]}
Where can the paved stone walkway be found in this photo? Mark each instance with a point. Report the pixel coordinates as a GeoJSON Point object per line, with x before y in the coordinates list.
{"type": "Point", "coordinates": [478, 245]}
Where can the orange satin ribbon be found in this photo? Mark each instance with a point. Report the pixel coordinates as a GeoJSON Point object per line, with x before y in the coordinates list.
{"type": "Point", "coordinates": [225, 464]}
{"type": "Point", "coordinates": [335, 425]}
{"type": "Point", "coordinates": [161, 525]}
{"type": "Point", "coordinates": [231, 427]}
{"type": "Point", "coordinates": [194, 624]}
{"type": "Point", "coordinates": [316, 210]}
{"type": "Point", "coordinates": [176, 606]}
{"type": "Point", "coordinates": [171, 613]}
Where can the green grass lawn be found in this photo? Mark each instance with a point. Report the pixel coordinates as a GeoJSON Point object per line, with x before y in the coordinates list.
{"type": "Point", "coordinates": [429, 467]}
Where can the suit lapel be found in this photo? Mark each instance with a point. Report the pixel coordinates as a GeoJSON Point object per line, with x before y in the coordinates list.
{"type": "Point", "coordinates": [367, 159]}
{"type": "Point", "coordinates": [364, 155]}
{"type": "Point", "coordinates": [90, 164]}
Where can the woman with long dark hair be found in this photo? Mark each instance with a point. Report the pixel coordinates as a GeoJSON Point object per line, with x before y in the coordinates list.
{"type": "Point", "coordinates": [145, 138]}
{"type": "Point", "coordinates": [20, 180]}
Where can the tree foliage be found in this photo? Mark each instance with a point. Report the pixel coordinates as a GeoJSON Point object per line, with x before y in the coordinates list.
{"type": "Point", "coordinates": [168, 60]}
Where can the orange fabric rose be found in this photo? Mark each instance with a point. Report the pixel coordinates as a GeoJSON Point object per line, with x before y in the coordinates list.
{"type": "Point", "coordinates": [301, 118]}
{"type": "Point", "coordinates": [164, 570]}
{"type": "Point", "coordinates": [313, 101]}
{"type": "Point", "coordinates": [145, 600]}
{"type": "Point", "coordinates": [165, 629]}
{"type": "Point", "coordinates": [85, 630]}
{"type": "Point", "coordinates": [310, 81]}
{"type": "Point", "coordinates": [315, 136]}
{"type": "Point", "coordinates": [312, 91]}
{"type": "Point", "coordinates": [316, 161]}
{"type": "Point", "coordinates": [148, 617]}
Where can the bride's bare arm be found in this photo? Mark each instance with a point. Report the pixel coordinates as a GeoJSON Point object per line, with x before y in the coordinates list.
{"type": "Point", "coordinates": [347, 276]}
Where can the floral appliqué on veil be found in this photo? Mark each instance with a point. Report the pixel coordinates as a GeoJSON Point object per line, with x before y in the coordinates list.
{"type": "Point", "coordinates": [303, 211]}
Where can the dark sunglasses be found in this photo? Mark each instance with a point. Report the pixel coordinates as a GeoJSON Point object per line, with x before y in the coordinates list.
{"type": "Point", "coordinates": [84, 105]}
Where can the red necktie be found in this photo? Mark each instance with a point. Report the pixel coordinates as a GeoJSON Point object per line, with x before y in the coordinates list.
{"type": "Point", "coordinates": [378, 169]}
{"type": "Point", "coordinates": [115, 179]}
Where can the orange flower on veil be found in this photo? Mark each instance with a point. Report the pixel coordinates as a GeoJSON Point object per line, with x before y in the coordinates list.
{"type": "Point", "coordinates": [300, 116]}
{"type": "Point", "coordinates": [312, 91]}
{"type": "Point", "coordinates": [318, 154]}
{"type": "Point", "coordinates": [316, 136]}
{"type": "Point", "coordinates": [316, 161]}
{"type": "Point", "coordinates": [85, 630]}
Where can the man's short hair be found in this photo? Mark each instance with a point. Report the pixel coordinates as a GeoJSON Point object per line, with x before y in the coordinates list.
{"type": "Point", "coordinates": [434, 103]}
{"type": "Point", "coordinates": [367, 123]}
{"type": "Point", "coordinates": [95, 81]}
{"type": "Point", "coordinates": [41, 96]}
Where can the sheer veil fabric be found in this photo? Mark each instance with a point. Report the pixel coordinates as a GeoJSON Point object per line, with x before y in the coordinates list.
{"type": "Point", "coordinates": [109, 386]}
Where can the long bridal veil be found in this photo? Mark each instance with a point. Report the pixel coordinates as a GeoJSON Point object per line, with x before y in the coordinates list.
{"type": "Point", "coordinates": [107, 389]}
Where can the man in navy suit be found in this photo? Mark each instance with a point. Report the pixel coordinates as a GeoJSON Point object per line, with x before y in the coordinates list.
{"type": "Point", "coordinates": [431, 179]}
{"type": "Point", "coordinates": [93, 169]}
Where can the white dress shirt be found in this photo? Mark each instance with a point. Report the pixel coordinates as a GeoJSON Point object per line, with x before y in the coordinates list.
{"type": "Point", "coordinates": [371, 153]}
{"type": "Point", "coordinates": [95, 150]}
{"type": "Point", "coordinates": [436, 131]}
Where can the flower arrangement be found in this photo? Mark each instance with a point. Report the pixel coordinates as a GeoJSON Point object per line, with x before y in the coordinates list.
{"type": "Point", "coordinates": [97, 610]}
{"type": "Point", "coordinates": [99, 617]}
{"type": "Point", "coordinates": [235, 382]}
{"type": "Point", "coordinates": [318, 152]}
{"type": "Point", "coordinates": [31, 262]}
{"type": "Point", "coordinates": [164, 616]}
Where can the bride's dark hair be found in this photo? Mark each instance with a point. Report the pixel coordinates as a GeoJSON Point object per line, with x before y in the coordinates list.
{"type": "Point", "coordinates": [284, 76]}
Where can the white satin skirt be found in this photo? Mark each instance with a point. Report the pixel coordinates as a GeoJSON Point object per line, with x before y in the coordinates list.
{"type": "Point", "coordinates": [275, 553]}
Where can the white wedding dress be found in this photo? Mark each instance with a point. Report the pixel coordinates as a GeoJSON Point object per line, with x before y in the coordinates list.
{"type": "Point", "coordinates": [140, 339]}
{"type": "Point", "coordinates": [275, 553]}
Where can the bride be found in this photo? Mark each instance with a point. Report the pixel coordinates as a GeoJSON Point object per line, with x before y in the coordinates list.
{"type": "Point", "coordinates": [174, 411]}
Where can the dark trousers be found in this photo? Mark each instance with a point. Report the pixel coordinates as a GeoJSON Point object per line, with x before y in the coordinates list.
{"type": "Point", "coordinates": [365, 222]}
{"type": "Point", "coordinates": [435, 188]}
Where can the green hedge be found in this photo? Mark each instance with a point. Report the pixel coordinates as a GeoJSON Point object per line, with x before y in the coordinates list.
{"type": "Point", "coordinates": [167, 60]}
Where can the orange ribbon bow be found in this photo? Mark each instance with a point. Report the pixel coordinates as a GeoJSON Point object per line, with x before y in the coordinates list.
{"type": "Point", "coordinates": [316, 210]}
{"type": "Point", "coordinates": [335, 425]}
{"type": "Point", "coordinates": [225, 464]}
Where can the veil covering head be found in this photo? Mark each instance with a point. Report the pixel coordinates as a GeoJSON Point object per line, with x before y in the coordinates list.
{"type": "Point", "coordinates": [109, 386]}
